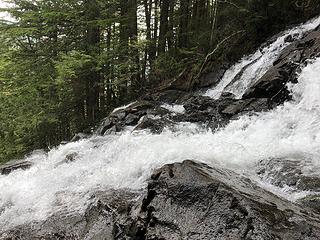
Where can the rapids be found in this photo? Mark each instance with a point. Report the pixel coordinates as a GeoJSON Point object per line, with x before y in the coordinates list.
{"type": "Point", "coordinates": [126, 160]}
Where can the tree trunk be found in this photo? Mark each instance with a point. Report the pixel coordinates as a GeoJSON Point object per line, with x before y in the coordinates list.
{"type": "Point", "coordinates": [184, 22]}
{"type": "Point", "coordinates": [124, 45]}
{"type": "Point", "coordinates": [153, 50]}
{"type": "Point", "coordinates": [92, 77]}
{"type": "Point", "coordinates": [170, 35]}
{"type": "Point", "coordinates": [214, 21]}
{"type": "Point", "coordinates": [136, 84]}
{"type": "Point", "coordinates": [164, 14]}
{"type": "Point", "coordinates": [147, 51]}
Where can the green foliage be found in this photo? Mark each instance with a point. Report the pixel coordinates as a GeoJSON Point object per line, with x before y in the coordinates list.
{"type": "Point", "coordinates": [74, 64]}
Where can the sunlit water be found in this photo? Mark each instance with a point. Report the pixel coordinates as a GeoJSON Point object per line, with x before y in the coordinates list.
{"type": "Point", "coordinates": [126, 160]}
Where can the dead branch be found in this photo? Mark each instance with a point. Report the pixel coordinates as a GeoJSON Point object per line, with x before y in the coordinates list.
{"type": "Point", "coordinates": [208, 57]}
{"type": "Point", "coordinates": [229, 2]}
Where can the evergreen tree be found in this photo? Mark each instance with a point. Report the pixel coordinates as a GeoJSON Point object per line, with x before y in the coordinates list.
{"type": "Point", "coordinates": [65, 64]}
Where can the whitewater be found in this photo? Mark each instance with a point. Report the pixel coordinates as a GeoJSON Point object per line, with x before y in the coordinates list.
{"type": "Point", "coordinates": [126, 160]}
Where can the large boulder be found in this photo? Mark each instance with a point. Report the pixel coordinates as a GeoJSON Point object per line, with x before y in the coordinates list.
{"type": "Point", "coordinates": [191, 200]}
{"type": "Point", "coordinates": [125, 116]}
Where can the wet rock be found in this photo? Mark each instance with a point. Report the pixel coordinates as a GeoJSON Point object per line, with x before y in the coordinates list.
{"type": "Point", "coordinates": [213, 77]}
{"type": "Point", "coordinates": [139, 106]}
{"type": "Point", "coordinates": [227, 95]}
{"type": "Point", "coordinates": [288, 172]}
{"type": "Point", "coordinates": [213, 113]}
{"type": "Point", "coordinates": [69, 158]}
{"type": "Point", "coordinates": [199, 103]}
{"type": "Point", "coordinates": [309, 183]}
{"type": "Point", "coordinates": [160, 111]}
{"type": "Point", "coordinates": [194, 201]}
{"type": "Point", "coordinates": [311, 201]}
{"type": "Point", "coordinates": [127, 116]}
{"type": "Point", "coordinates": [114, 129]}
{"type": "Point", "coordinates": [188, 81]}
{"type": "Point", "coordinates": [226, 106]}
{"type": "Point", "coordinates": [106, 124]}
{"type": "Point", "coordinates": [245, 106]}
{"type": "Point", "coordinates": [290, 38]}
{"type": "Point", "coordinates": [131, 119]}
{"type": "Point", "coordinates": [101, 220]}
{"type": "Point", "coordinates": [273, 84]}
{"type": "Point", "coordinates": [280, 172]}
{"type": "Point", "coordinates": [218, 112]}
{"type": "Point", "coordinates": [119, 115]}
{"type": "Point", "coordinates": [155, 125]}
{"type": "Point", "coordinates": [78, 137]}
{"type": "Point", "coordinates": [14, 165]}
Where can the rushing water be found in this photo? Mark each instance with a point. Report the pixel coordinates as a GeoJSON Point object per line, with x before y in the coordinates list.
{"type": "Point", "coordinates": [252, 67]}
{"type": "Point", "coordinates": [126, 160]}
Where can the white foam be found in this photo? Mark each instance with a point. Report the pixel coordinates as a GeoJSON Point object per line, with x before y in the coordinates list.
{"type": "Point", "coordinates": [123, 107]}
{"type": "Point", "coordinates": [175, 108]}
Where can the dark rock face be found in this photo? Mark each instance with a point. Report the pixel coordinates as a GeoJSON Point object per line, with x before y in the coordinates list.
{"type": "Point", "coordinates": [128, 116]}
{"type": "Point", "coordinates": [311, 201]}
{"type": "Point", "coordinates": [13, 166]}
{"type": "Point", "coordinates": [213, 77]}
{"type": "Point", "coordinates": [199, 109]}
{"type": "Point", "coordinates": [288, 172]}
{"type": "Point", "coordinates": [186, 200]}
{"type": "Point", "coordinates": [273, 84]}
{"type": "Point", "coordinates": [154, 125]}
{"type": "Point", "coordinates": [193, 201]}
{"type": "Point", "coordinates": [101, 221]}
{"type": "Point", "coordinates": [217, 113]}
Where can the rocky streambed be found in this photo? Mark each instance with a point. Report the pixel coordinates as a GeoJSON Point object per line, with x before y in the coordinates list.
{"type": "Point", "coordinates": [188, 200]}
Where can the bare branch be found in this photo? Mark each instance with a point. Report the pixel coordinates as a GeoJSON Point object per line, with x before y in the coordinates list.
{"type": "Point", "coordinates": [229, 2]}
{"type": "Point", "coordinates": [208, 57]}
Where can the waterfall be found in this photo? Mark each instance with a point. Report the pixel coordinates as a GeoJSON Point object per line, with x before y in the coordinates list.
{"type": "Point", "coordinates": [251, 68]}
{"type": "Point", "coordinates": [126, 160]}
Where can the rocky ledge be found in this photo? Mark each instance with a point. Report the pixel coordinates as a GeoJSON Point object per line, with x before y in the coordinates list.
{"type": "Point", "coordinates": [267, 92]}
